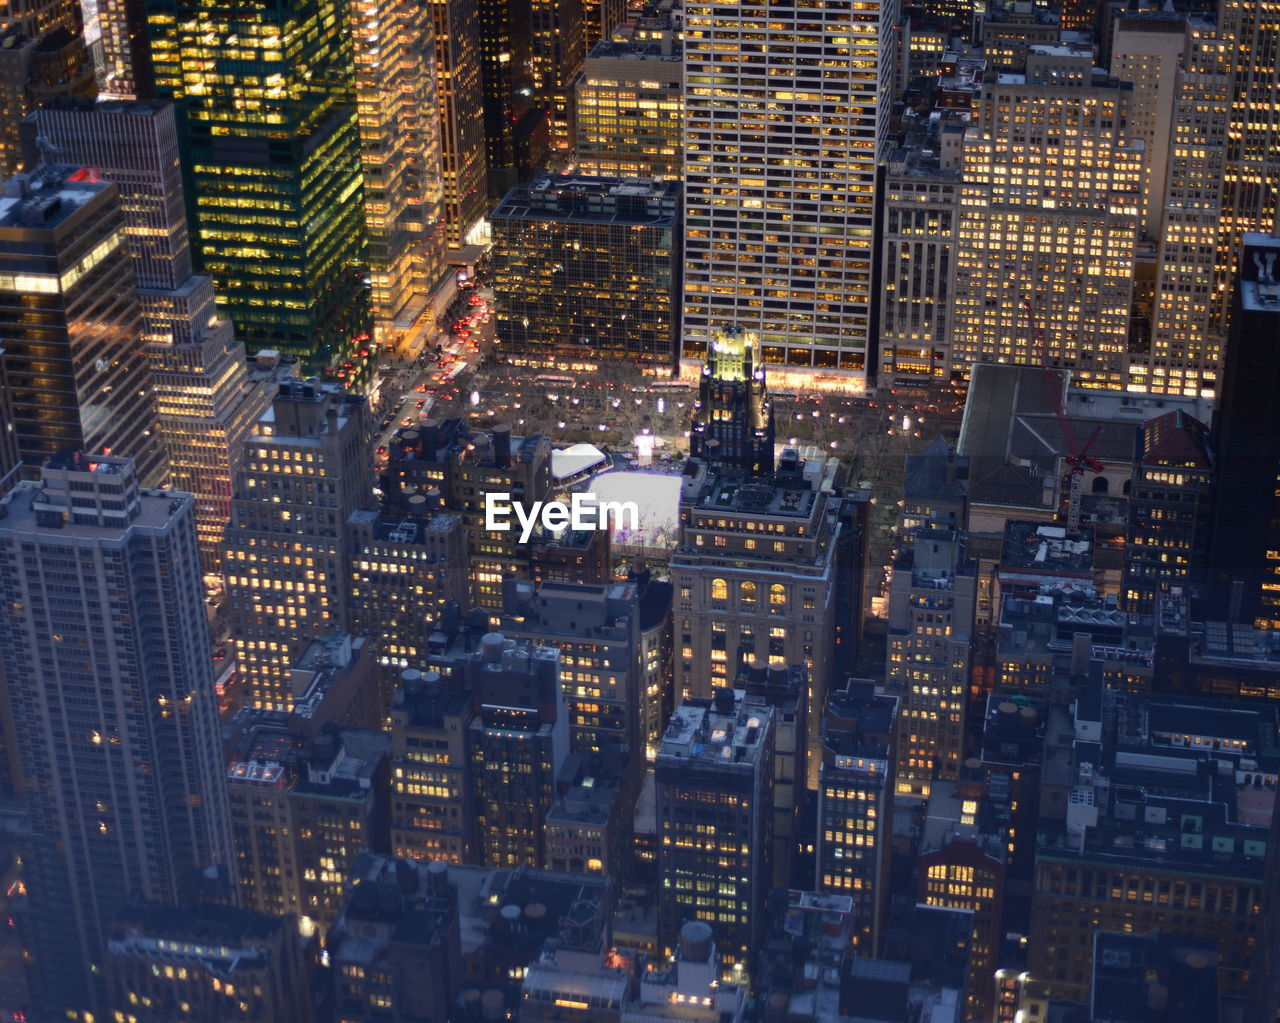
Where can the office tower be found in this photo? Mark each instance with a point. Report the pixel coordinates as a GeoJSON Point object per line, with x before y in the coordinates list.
{"type": "Point", "coordinates": [464, 466]}
{"type": "Point", "coordinates": [396, 949]}
{"type": "Point", "coordinates": [932, 601]}
{"type": "Point", "coordinates": [1044, 261]}
{"type": "Point", "coordinates": [42, 57]}
{"type": "Point", "coordinates": [629, 101]}
{"type": "Point", "coordinates": [1250, 34]}
{"type": "Point", "coordinates": [855, 796]}
{"type": "Point", "coordinates": [922, 215]}
{"type": "Point", "coordinates": [106, 662]}
{"type": "Point", "coordinates": [1147, 50]}
{"type": "Point", "coordinates": [556, 46]}
{"type": "Point", "coordinates": [208, 962]}
{"type": "Point", "coordinates": [781, 147]}
{"type": "Point", "coordinates": [271, 148]}
{"type": "Point", "coordinates": [516, 745]}
{"type": "Point", "coordinates": [431, 814]}
{"type": "Point", "coordinates": [81, 382]}
{"type": "Point", "coordinates": [286, 555]}
{"type": "Point", "coordinates": [400, 148]}
{"type": "Point", "coordinates": [715, 811]}
{"type": "Point", "coordinates": [404, 571]}
{"type": "Point", "coordinates": [1009, 30]}
{"type": "Point", "coordinates": [1169, 499]}
{"type": "Point", "coordinates": [125, 71]}
{"type": "Point", "coordinates": [460, 96]}
{"type": "Point", "coordinates": [1159, 795]}
{"type": "Point", "coordinates": [1189, 309]}
{"type": "Point", "coordinates": [1245, 538]}
{"type": "Point", "coordinates": [586, 269]}
{"type": "Point", "coordinates": [503, 31]}
{"type": "Point", "coordinates": [205, 399]}
{"type": "Point", "coordinates": [776, 601]}
{"type": "Point", "coordinates": [601, 17]}
{"type": "Point", "coordinates": [733, 422]}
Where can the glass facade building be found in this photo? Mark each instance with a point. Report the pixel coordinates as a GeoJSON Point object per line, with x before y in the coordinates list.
{"type": "Point", "coordinates": [588, 268]}
{"type": "Point", "coordinates": [266, 105]}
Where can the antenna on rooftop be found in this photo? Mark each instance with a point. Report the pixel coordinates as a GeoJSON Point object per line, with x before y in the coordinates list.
{"type": "Point", "coordinates": [49, 153]}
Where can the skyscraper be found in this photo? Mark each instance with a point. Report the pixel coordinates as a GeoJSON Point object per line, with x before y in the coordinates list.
{"type": "Point", "coordinates": [586, 269]}
{"type": "Point", "coordinates": [42, 56]}
{"type": "Point", "coordinates": [1244, 545]}
{"type": "Point", "coordinates": [125, 71]}
{"type": "Point", "coordinates": [629, 101]}
{"type": "Point", "coordinates": [79, 380]}
{"type": "Point", "coordinates": [268, 126]}
{"type": "Point", "coordinates": [106, 660]}
{"type": "Point", "coordinates": [460, 92]}
{"type": "Point", "coordinates": [932, 601]}
{"type": "Point", "coordinates": [1045, 252]}
{"type": "Point", "coordinates": [781, 145]}
{"type": "Point", "coordinates": [205, 400]}
{"type": "Point", "coordinates": [715, 812]}
{"type": "Point", "coordinates": [395, 54]}
{"type": "Point", "coordinates": [556, 45]}
{"type": "Point", "coordinates": [733, 417]}
{"type": "Point", "coordinates": [303, 471]}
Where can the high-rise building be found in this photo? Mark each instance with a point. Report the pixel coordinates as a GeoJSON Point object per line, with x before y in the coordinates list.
{"type": "Point", "coordinates": [123, 50]}
{"type": "Point", "coordinates": [599, 17]}
{"type": "Point", "coordinates": [10, 457]}
{"type": "Point", "coordinates": [1244, 546]}
{"type": "Point", "coordinates": [586, 269]}
{"type": "Point", "coordinates": [464, 466]}
{"type": "Point", "coordinates": [855, 796]}
{"type": "Point", "coordinates": [516, 745]}
{"type": "Point", "coordinates": [1147, 50]}
{"type": "Point", "coordinates": [1169, 498]}
{"type": "Point", "coordinates": [1045, 252]}
{"type": "Point", "coordinates": [1250, 35]}
{"type": "Point", "coordinates": [461, 99]}
{"type": "Point", "coordinates": [932, 602]}
{"type": "Point", "coordinates": [733, 422]}
{"type": "Point", "coordinates": [42, 57]}
{"type": "Point", "coordinates": [629, 101]}
{"type": "Point", "coordinates": [106, 663]}
{"type": "Point", "coordinates": [286, 559]}
{"type": "Point", "coordinates": [503, 31]}
{"type": "Point", "coordinates": [556, 46]}
{"type": "Point", "coordinates": [271, 148]}
{"type": "Point", "coordinates": [400, 147]}
{"type": "Point", "coordinates": [715, 811]}
{"type": "Point", "coordinates": [431, 791]}
{"type": "Point", "coordinates": [922, 215]}
{"type": "Point", "coordinates": [1187, 312]}
{"type": "Point", "coordinates": [205, 399]}
{"type": "Point", "coordinates": [782, 141]}
{"type": "Point", "coordinates": [80, 382]}
{"type": "Point", "coordinates": [404, 571]}
{"type": "Point", "coordinates": [755, 575]}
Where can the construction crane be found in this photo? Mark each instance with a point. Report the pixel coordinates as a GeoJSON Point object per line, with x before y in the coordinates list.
{"type": "Point", "coordinates": [1078, 459]}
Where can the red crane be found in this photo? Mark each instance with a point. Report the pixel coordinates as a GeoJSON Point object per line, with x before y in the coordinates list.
{"type": "Point", "coordinates": [1078, 459]}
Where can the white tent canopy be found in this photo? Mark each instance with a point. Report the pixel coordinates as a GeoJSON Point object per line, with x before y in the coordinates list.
{"type": "Point", "coordinates": [576, 459]}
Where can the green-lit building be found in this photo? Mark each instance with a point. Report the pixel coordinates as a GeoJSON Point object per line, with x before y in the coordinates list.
{"type": "Point", "coordinates": [265, 96]}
